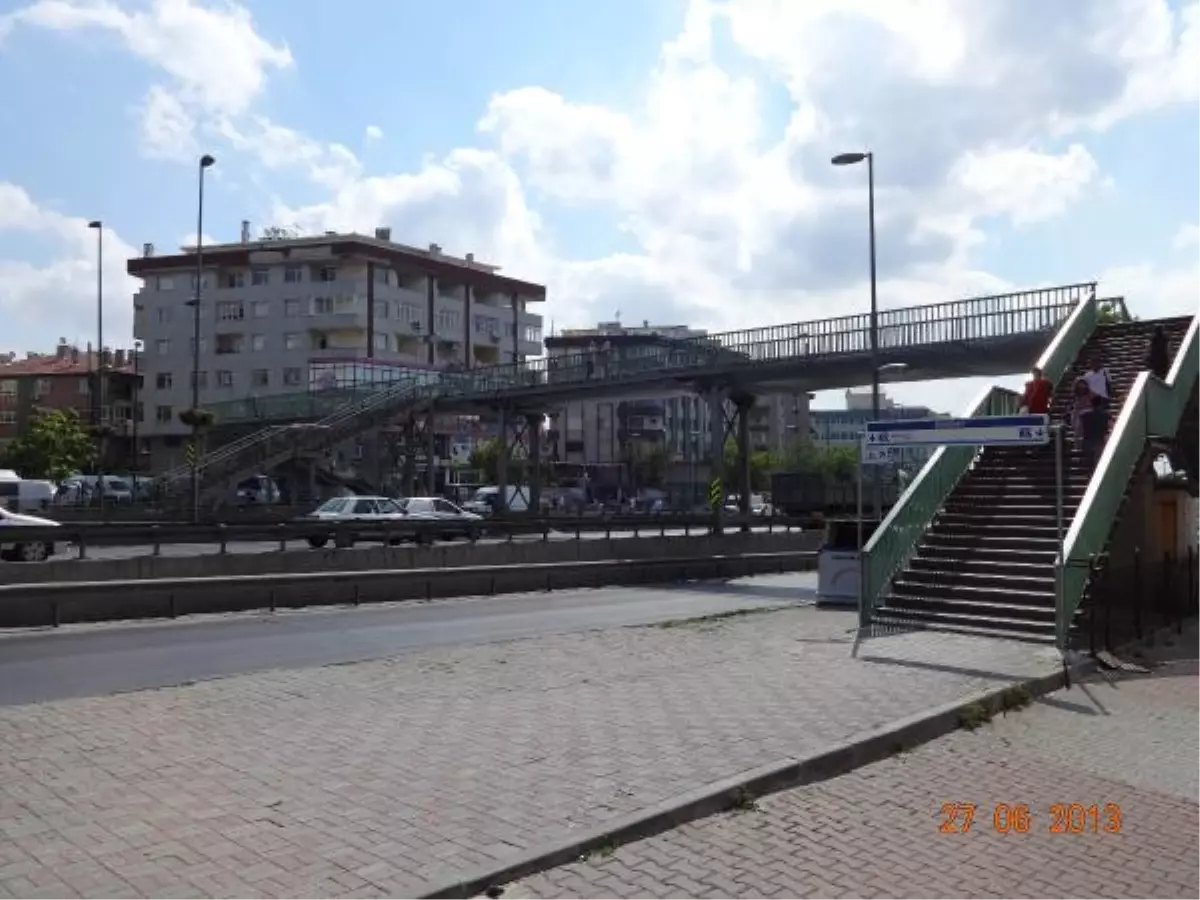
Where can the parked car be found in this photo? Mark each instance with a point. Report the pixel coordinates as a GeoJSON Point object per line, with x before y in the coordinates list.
{"type": "Point", "coordinates": [458, 522]}
{"type": "Point", "coordinates": [13, 548]}
{"type": "Point", "coordinates": [368, 510]}
{"type": "Point", "coordinates": [487, 499]}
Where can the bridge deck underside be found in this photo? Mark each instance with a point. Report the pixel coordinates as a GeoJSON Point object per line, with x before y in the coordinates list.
{"type": "Point", "coordinates": [989, 357]}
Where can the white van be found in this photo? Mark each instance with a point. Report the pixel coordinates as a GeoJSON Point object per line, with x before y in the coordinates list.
{"type": "Point", "coordinates": [486, 500]}
{"type": "Point", "coordinates": [24, 495]}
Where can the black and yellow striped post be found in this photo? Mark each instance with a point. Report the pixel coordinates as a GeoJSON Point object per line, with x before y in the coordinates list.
{"type": "Point", "coordinates": [716, 502]}
{"type": "Point", "coordinates": [189, 453]}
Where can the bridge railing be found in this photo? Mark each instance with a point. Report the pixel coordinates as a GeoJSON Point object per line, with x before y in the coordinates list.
{"type": "Point", "coordinates": [979, 318]}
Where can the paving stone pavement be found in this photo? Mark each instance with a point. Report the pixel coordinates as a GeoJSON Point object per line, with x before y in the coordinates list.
{"type": "Point", "coordinates": [1126, 740]}
{"type": "Point", "coordinates": [369, 779]}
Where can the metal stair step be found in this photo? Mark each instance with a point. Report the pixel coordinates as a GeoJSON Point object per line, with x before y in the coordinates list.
{"type": "Point", "coordinates": [1019, 566]}
{"type": "Point", "coordinates": [940, 581]}
{"type": "Point", "coordinates": [992, 609]}
{"type": "Point", "coordinates": [902, 586]}
{"type": "Point", "coordinates": [967, 624]}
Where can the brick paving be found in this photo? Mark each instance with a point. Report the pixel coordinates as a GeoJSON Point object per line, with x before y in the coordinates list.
{"type": "Point", "coordinates": [370, 779]}
{"type": "Point", "coordinates": [1126, 740]}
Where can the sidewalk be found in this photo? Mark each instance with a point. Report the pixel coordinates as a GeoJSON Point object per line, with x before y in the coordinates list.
{"type": "Point", "coordinates": [1126, 740]}
{"type": "Point", "coordinates": [373, 779]}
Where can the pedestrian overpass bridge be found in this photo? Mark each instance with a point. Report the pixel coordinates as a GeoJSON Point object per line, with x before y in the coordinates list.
{"type": "Point", "coordinates": [982, 336]}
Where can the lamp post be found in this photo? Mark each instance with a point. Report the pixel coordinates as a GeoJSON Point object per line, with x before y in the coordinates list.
{"type": "Point", "coordinates": [137, 394]}
{"type": "Point", "coordinates": [205, 162]}
{"type": "Point", "coordinates": [852, 159]}
{"type": "Point", "coordinates": [98, 422]}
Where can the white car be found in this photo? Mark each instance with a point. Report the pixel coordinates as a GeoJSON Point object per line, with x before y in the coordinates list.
{"type": "Point", "coordinates": [369, 510]}
{"type": "Point", "coordinates": [458, 522]}
{"type": "Point", "coordinates": [13, 548]}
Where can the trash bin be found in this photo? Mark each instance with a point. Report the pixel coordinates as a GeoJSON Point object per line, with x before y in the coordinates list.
{"type": "Point", "coordinates": [838, 561]}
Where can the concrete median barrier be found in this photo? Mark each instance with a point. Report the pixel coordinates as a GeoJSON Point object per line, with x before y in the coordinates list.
{"type": "Point", "coordinates": [378, 556]}
{"type": "Point", "coordinates": [49, 604]}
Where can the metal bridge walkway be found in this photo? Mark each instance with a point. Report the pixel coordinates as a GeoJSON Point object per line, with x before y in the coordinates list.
{"type": "Point", "coordinates": [980, 336]}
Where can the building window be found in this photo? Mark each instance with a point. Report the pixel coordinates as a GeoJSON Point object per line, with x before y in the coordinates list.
{"type": "Point", "coordinates": [292, 341]}
{"type": "Point", "coordinates": [260, 277]}
{"type": "Point", "coordinates": [231, 311]}
{"type": "Point", "coordinates": [260, 378]}
{"type": "Point", "coordinates": [163, 381]}
{"type": "Point", "coordinates": [293, 275]}
{"type": "Point", "coordinates": [203, 282]}
{"type": "Point", "coordinates": [235, 280]}
{"type": "Point", "coordinates": [224, 378]}
{"type": "Point", "coordinates": [533, 334]}
{"type": "Point", "coordinates": [322, 305]}
{"type": "Point", "coordinates": [260, 309]}
{"type": "Point", "coordinates": [410, 314]}
{"type": "Point", "coordinates": [162, 347]}
{"type": "Point", "coordinates": [258, 342]}
{"type": "Point", "coordinates": [165, 283]}
{"type": "Point", "coordinates": [382, 342]}
{"type": "Point", "coordinates": [382, 308]}
{"type": "Point", "coordinates": [293, 377]}
{"type": "Point", "coordinates": [488, 325]}
{"type": "Point", "coordinates": [203, 345]}
{"type": "Point", "coordinates": [8, 387]}
{"type": "Point", "coordinates": [292, 309]}
{"type": "Point", "coordinates": [446, 320]}
{"type": "Point", "coordinates": [85, 386]}
{"type": "Point", "coordinates": [327, 273]}
{"type": "Point", "coordinates": [230, 343]}
{"type": "Point", "coordinates": [162, 415]}
{"type": "Point", "coordinates": [163, 314]}
{"type": "Point", "coordinates": [8, 417]}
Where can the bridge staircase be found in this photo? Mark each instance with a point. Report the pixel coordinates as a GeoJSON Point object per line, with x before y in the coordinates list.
{"type": "Point", "coordinates": [974, 545]}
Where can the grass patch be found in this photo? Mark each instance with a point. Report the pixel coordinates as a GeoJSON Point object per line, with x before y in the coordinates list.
{"type": "Point", "coordinates": [973, 715]}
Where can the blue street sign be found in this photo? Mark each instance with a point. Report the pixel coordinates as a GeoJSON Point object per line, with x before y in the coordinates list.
{"type": "Point", "coordinates": [1028, 431]}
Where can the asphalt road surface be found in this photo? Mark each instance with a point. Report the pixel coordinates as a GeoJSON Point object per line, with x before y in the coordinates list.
{"type": "Point", "coordinates": [91, 660]}
{"type": "Point", "coordinates": [130, 551]}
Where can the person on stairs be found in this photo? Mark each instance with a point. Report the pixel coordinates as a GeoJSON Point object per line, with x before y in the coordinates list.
{"type": "Point", "coordinates": [1038, 391]}
{"type": "Point", "coordinates": [1158, 357]}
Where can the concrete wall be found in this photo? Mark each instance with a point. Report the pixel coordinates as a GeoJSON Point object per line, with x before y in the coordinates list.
{"type": "Point", "coordinates": [361, 558]}
{"type": "Point", "coordinates": [31, 605]}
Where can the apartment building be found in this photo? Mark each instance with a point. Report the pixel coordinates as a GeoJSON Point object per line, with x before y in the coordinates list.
{"type": "Point", "coordinates": [290, 314]}
{"type": "Point", "coordinates": [66, 378]}
{"type": "Point", "coordinates": [614, 434]}
{"type": "Point", "coordinates": [844, 427]}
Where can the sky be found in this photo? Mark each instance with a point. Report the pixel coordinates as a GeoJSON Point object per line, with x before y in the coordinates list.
{"type": "Point", "coordinates": [664, 159]}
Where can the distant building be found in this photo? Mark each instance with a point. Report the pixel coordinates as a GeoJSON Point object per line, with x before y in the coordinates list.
{"type": "Point", "coordinates": [288, 314]}
{"type": "Point", "coordinates": [66, 379]}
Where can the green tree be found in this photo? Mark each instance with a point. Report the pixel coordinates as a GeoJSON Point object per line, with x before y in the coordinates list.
{"type": "Point", "coordinates": [1110, 312]}
{"type": "Point", "coordinates": [485, 458]}
{"type": "Point", "coordinates": [762, 464]}
{"type": "Point", "coordinates": [55, 444]}
{"type": "Point", "coordinates": [840, 463]}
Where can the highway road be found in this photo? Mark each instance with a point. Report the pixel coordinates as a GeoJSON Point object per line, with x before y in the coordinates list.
{"type": "Point", "coordinates": [128, 552]}
{"type": "Point", "coordinates": [91, 660]}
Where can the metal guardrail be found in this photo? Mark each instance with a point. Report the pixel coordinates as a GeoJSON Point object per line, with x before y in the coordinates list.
{"type": "Point", "coordinates": [84, 535]}
{"type": "Point", "coordinates": [56, 603]}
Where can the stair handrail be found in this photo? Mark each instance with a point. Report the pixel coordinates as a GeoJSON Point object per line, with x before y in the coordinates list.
{"type": "Point", "coordinates": [894, 541]}
{"type": "Point", "coordinates": [1152, 407]}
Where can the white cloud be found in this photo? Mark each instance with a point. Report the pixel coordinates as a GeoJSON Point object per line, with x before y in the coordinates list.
{"type": "Point", "coordinates": [373, 133]}
{"type": "Point", "coordinates": [59, 299]}
{"type": "Point", "coordinates": [974, 111]}
{"type": "Point", "coordinates": [1187, 238]}
{"type": "Point", "coordinates": [168, 130]}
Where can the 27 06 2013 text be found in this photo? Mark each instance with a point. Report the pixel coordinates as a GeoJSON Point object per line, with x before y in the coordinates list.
{"type": "Point", "coordinates": [1025, 818]}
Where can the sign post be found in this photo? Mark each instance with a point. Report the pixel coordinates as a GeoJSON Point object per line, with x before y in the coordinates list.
{"type": "Point", "coordinates": [883, 439]}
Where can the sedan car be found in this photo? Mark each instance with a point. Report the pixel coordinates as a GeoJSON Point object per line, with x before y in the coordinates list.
{"type": "Point", "coordinates": [371, 511]}
{"type": "Point", "coordinates": [13, 548]}
{"type": "Point", "coordinates": [457, 522]}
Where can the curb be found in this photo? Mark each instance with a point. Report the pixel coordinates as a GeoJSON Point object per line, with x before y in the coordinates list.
{"type": "Point", "coordinates": [837, 759]}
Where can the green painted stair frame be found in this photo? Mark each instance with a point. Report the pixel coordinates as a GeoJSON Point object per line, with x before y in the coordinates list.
{"type": "Point", "coordinates": [1152, 409]}
{"type": "Point", "coordinates": [893, 543]}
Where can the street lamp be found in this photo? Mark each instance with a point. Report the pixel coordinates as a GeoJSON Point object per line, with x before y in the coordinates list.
{"type": "Point", "coordinates": [853, 159]}
{"type": "Point", "coordinates": [137, 388]}
{"type": "Point", "coordinates": [205, 162]}
{"type": "Point", "coordinates": [98, 421]}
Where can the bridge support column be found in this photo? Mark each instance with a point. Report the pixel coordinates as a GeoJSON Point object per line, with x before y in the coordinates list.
{"type": "Point", "coordinates": [743, 404]}
{"type": "Point", "coordinates": [533, 463]}
{"type": "Point", "coordinates": [430, 456]}
{"type": "Point", "coordinates": [716, 457]}
{"type": "Point", "coordinates": [502, 459]}
{"type": "Point", "coordinates": [408, 439]}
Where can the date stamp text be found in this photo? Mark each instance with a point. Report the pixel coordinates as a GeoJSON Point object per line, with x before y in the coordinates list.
{"type": "Point", "coordinates": [1023, 818]}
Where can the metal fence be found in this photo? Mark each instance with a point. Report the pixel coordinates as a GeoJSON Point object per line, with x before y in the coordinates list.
{"type": "Point", "coordinates": [1130, 599]}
